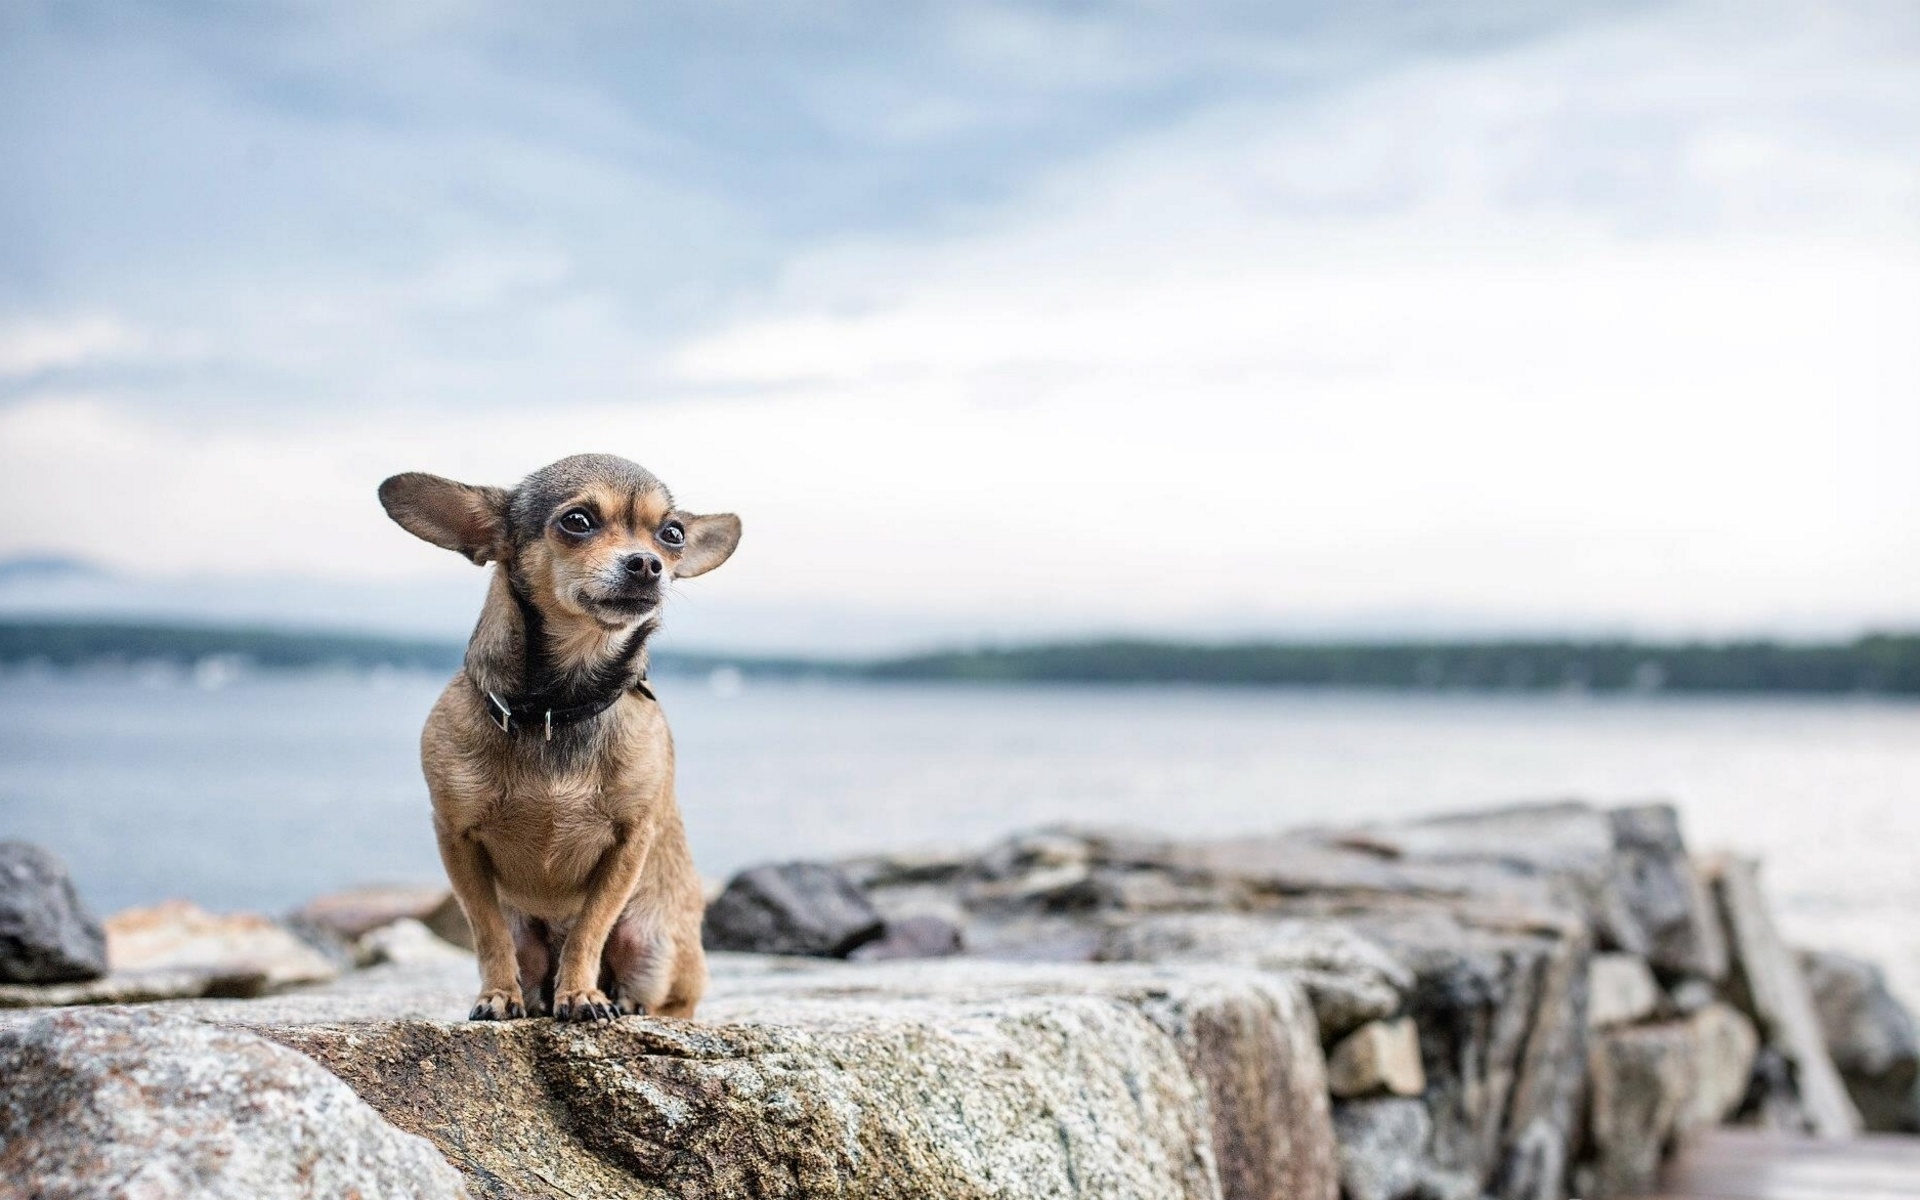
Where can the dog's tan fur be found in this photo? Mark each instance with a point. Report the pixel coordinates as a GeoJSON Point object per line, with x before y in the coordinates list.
{"type": "Point", "coordinates": [578, 840]}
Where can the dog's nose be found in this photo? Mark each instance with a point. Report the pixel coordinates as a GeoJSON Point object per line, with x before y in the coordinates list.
{"type": "Point", "coordinates": [643, 565]}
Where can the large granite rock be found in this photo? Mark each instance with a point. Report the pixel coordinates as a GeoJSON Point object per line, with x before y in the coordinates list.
{"type": "Point", "coordinates": [46, 933]}
{"type": "Point", "coordinates": [1871, 1037]}
{"type": "Point", "coordinates": [104, 1103]}
{"type": "Point", "coordinates": [924, 1079]}
{"type": "Point", "coordinates": [791, 908]}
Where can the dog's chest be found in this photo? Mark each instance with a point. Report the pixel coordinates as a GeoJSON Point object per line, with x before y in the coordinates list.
{"type": "Point", "coordinates": [547, 833]}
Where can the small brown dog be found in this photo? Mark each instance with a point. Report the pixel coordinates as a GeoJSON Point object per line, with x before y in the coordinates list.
{"type": "Point", "coordinates": [549, 760]}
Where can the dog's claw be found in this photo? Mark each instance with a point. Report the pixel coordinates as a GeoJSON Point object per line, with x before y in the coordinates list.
{"type": "Point", "coordinates": [584, 1006]}
{"type": "Point", "coordinates": [496, 1007]}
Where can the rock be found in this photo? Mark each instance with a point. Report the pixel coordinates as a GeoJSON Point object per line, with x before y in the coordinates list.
{"type": "Point", "coordinates": [1350, 978]}
{"type": "Point", "coordinates": [1676, 927]}
{"type": "Point", "coordinates": [1688, 996]}
{"type": "Point", "coordinates": [1871, 1037]}
{"type": "Point", "coordinates": [1544, 1108]}
{"type": "Point", "coordinates": [180, 936]}
{"type": "Point", "coordinates": [1380, 1056]}
{"type": "Point", "coordinates": [1654, 1084]}
{"type": "Point", "coordinates": [46, 933]}
{"type": "Point", "coordinates": [115, 1104]}
{"type": "Point", "coordinates": [408, 942]}
{"type": "Point", "coordinates": [1724, 1046]}
{"type": "Point", "coordinates": [137, 987]}
{"type": "Point", "coordinates": [791, 908]}
{"type": "Point", "coordinates": [1621, 990]}
{"type": "Point", "coordinates": [1384, 1154]}
{"type": "Point", "coordinates": [1640, 1086]}
{"type": "Point", "coordinates": [912, 937]}
{"type": "Point", "coordinates": [937, 1079]}
{"type": "Point", "coordinates": [1383, 1148]}
{"type": "Point", "coordinates": [1767, 984]}
{"type": "Point", "coordinates": [1501, 1020]}
{"type": "Point", "coordinates": [360, 910]}
{"type": "Point", "coordinates": [449, 922]}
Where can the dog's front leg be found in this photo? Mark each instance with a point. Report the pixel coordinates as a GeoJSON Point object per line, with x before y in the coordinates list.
{"type": "Point", "coordinates": [472, 877]}
{"type": "Point", "coordinates": [576, 994]}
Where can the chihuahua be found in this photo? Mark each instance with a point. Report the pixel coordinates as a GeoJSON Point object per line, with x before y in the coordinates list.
{"type": "Point", "coordinates": [548, 758]}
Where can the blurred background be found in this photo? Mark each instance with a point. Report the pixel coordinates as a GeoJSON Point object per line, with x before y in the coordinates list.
{"type": "Point", "coordinates": [1469, 402]}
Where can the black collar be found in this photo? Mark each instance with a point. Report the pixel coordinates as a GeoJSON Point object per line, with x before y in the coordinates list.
{"type": "Point", "coordinates": [534, 713]}
{"type": "Point", "coordinates": [546, 701]}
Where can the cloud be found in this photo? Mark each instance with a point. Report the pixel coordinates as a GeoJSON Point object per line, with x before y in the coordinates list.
{"type": "Point", "coordinates": [1597, 324]}
{"type": "Point", "coordinates": [34, 347]}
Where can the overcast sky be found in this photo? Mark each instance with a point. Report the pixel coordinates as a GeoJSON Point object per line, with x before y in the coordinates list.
{"type": "Point", "coordinates": [988, 320]}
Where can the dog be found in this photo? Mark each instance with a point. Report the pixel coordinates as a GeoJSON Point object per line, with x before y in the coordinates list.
{"type": "Point", "coordinates": [548, 759]}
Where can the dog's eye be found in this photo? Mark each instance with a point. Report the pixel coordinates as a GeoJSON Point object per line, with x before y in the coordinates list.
{"type": "Point", "coordinates": [673, 535]}
{"type": "Point", "coordinates": [577, 521]}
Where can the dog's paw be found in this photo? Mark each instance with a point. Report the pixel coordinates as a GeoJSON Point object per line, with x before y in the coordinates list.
{"type": "Point", "coordinates": [589, 1005]}
{"type": "Point", "coordinates": [497, 1005]}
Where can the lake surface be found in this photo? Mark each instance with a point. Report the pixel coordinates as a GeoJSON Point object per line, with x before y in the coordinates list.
{"type": "Point", "coordinates": [259, 791]}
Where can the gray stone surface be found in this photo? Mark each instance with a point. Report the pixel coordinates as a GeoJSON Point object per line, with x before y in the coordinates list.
{"type": "Point", "coordinates": [791, 908]}
{"type": "Point", "coordinates": [46, 933]}
{"type": "Point", "coordinates": [1871, 1037]}
{"type": "Point", "coordinates": [108, 1103]}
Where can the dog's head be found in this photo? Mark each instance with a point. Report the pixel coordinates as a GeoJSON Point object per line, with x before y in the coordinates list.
{"type": "Point", "coordinates": [592, 536]}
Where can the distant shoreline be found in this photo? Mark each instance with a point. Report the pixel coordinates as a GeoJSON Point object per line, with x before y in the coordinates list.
{"type": "Point", "coordinates": [1885, 664]}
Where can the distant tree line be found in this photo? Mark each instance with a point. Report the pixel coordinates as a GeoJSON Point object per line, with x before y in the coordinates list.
{"type": "Point", "coordinates": [78, 644]}
{"type": "Point", "coordinates": [1882, 663]}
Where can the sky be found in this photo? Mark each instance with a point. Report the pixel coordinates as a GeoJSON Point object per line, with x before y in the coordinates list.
{"type": "Point", "coordinates": [991, 321]}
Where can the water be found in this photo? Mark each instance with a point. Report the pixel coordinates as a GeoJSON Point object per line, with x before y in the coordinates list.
{"type": "Point", "coordinates": [258, 791]}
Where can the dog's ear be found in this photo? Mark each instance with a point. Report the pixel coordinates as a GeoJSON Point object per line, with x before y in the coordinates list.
{"type": "Point", "coordinates": [454, 516]}
{"type": "Point", "coordinates": [710, 541]}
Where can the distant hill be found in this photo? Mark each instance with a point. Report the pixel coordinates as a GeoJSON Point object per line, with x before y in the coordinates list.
{"type": "Point", "coordinates": [92, 643]}
{"type": "Point", "coordinates": [1881, 664]}
{"type": "Point", "coordinates": [18, 568]}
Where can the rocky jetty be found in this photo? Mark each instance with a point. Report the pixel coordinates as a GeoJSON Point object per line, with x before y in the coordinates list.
{"type": "Point", "coordinates": [1524, 1004]}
